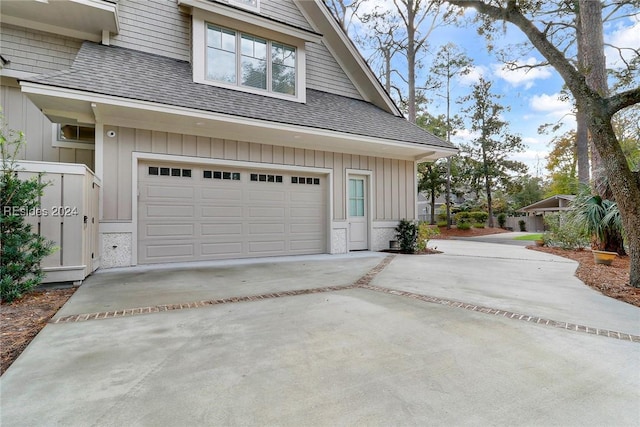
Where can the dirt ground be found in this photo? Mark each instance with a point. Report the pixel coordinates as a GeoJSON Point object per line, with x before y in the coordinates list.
{"type": "Point", "coordinates": [21, 320]}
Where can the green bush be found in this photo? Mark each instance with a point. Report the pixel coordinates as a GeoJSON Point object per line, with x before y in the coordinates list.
{"type": "Point", "coordinates": [502, 219]}
{"type": "Point", "coordinates": [564, 232]}
{"type": "Point", "coordinates": [462, 217]}
{"type": "Point", "coordinates": [407, 235]}
{"type": "Point", "coordinates": [479, 217]}
{"type": "Point", "coordinates": [463, 226]}
{"type": "Point", "coordinates": [478, 225]}
{"type": "Point", "coordinates": [441, 223]}
{"type": "Point", "coordinates": [425, 233]}
{"type": "Point", "coordinates": [523, 225]}
{"type": "Point", "coordinates": [21, 250]}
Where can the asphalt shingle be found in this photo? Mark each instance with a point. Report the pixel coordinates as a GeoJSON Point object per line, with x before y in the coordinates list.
{"type": "Point", "coordinates": [132, 74]}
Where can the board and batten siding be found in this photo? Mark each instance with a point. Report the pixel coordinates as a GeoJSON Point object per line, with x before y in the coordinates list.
{"type": "Point", "coordinates": [35, 51]}
{"type": "Point", "coordinates": [21, 114]}
{"type": "Point", "coordinates": [393, 181]}
{"type": "Point", "coordinates": [154, 26]}
{"type": "Point", "coordinates": [325, 74]}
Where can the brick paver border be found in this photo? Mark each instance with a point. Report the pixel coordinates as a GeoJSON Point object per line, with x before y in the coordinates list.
{"type": "Point", "coordinates": [363, 282]}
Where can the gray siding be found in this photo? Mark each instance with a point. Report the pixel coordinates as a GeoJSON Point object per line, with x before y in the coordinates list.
{"type": "Point", "coordinates": [285, 11]}
{"type": "Point", "coordinates": [35, 51]}
{"type": "Point", "coordinates": [154, 26]}
{"type": "Point", "coordinates": [22, 115]}
{"type": "Point", "coordinates": [325, 74]}
{"type": "Point", "coordinates": [393, 180]}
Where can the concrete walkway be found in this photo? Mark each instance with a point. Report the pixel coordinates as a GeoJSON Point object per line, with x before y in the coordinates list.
{"type": "Point", "coordinates": [336, 340]}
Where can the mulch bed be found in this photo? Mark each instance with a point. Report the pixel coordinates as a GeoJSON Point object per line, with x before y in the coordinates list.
{"type": "Point", "coordinates": [21, 320]}
{"type": "Point", "coordinates": [611, 280]}
{"type": "Point", "coordinates": [472, 232]}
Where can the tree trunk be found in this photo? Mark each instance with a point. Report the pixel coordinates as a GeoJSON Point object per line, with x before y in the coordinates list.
{"type": "Point", "coordinates": [624, 184]}
{"type": "Point", "coordinates": [582, 141]}
{"type": "Point", "coordinates": [591, 48]}
{"type": "Point", "coordinates": [433, 206]}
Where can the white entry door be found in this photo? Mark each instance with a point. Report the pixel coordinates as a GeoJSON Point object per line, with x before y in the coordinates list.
{"type": "Point", "coordinates": [358, 215]}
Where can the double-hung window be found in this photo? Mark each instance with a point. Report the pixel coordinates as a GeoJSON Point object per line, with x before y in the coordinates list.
{"type": "Point", "coordinates": [245, 60]}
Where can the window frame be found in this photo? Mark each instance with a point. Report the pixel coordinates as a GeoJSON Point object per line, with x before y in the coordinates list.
{"type": "Point", "coordinates": [201, 21]}
{"type": "Point", "coordinates": [56, 142]}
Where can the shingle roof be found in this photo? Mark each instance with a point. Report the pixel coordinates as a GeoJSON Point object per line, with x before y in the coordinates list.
{"type": "Point", "coordinates": [132, 74]}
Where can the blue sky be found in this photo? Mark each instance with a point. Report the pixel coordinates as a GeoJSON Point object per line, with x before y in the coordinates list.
{"type": "Point", "coordinates": [533, 97]}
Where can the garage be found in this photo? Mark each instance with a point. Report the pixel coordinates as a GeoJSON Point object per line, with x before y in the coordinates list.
{"type": "Point", "coordinates": [189, 212]}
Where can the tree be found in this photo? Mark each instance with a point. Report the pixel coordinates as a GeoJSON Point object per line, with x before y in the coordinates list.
{"type": "Point", "coordinates": [432, 179]}
{"type": "Point", "coordinates": [449, 63]}
{"type": "Point", "coordinates": [21, 249]}
{"type": "Point", "coordinates": [547, 38]}
{"type": "Point", "coordinates": [494, 143]}
{"type": "Point", "coordinates": [562, 163]}
{"type": "Point", "coordinates": [526, 190]}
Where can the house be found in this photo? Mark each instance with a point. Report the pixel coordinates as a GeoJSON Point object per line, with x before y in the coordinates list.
{"type": "Point", "coordinates": [215, 129]}
{"type": "Point", "coordinates": [535, 212]}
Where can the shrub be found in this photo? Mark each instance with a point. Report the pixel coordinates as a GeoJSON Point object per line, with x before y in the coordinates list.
{"type": "Point", "coordinates": [462, 217]}
{"type": "Point", "coordinates": [523, 225]}
{"type": "Point", "coordinates": [479, 217]}
{"type": "Point", "coordinates": [478, 225]}
{"type": "Point", "coordinates": [502, 219]}
{"type": "Point", "coordinates": [407, 235]}
{"type": "Point", "coordinates": [563, 232]}
{"type": "Point", "coordinates": [21, 250]}
{"type": "Point", "coordinates": [425, 233]}
{"type": "Point", "coordinates": [441, 223]}
{"type": "Point", "coordinates": [463, 226]}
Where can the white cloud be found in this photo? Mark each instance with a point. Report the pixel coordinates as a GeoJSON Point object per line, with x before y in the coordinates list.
{"type": "Point", "coordinates": [464, 136]}
{"type": "Point", "coordinates": [531, 140]}
{"type": "Point", "coordinates": [474, 75]}
{"type": "Point", "coordinates": [522, 76]}
{"type": "Point", "coordinates": [622, 37]}
{"type": "Point", "coordinates": [550, 105]}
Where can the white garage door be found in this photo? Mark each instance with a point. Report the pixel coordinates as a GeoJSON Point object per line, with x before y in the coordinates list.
{"type": "Point", "coordinates": [194, 212]}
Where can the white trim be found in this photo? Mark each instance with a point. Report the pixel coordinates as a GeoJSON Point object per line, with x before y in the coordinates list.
{"type": "Point", "coordinates": [38, 89]}
{"type": "Point", "coordinates": [415, 190]}
{"type": "Point", "coordinates": [40, 26]}
{"type": "Point", "coordinates": [52, 167]}
{"type": "Point", "coordinates": [369, 175]}
{"type": "Point", "coordinates": [137, 157]}
{"type": "Point", "coordinates": [98, 163]}
{"type": "Point", "coordinates": [108, 227]}
{"type": "Point", "coordinates": [64, 268]}
{"type": "Point", "coordinates": [199, 55]}
{"type": "Point", "coordinates": [250, 18]}
{"type": "Point", "coordinates": [15, 74]}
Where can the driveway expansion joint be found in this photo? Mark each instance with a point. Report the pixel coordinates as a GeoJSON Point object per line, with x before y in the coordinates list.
{"type": "Point", "coordinates": [364, 282]}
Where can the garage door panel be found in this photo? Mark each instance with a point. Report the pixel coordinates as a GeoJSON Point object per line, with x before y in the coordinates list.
{"type": "Point", "coordinates": [169, 192]}
{"type": "Point", "coordinates": [221, 211]}
{"type": "Point", "coordinates": [226, 229]}
{"type": "Point", "coordinates": [169, 211]}
{"type": "Point", "coordinates": [266, 212]}
{"type": "Point", "coordinates": [223, 248]}
{"type": "Point", "coordinates": [207, 216]}
{"type": "Point", "coordinates": [166, 250]}
{"type": "Point", "coordinates": [219, 194]}
{"type": "Point", "coordinates": [266, 228]}
{"type": "Point", "coordinates": [267, 247]}
{"type": "Point", "coordinates": [169, 230]}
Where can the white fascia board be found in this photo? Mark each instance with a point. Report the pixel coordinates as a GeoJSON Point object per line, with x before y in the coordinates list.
{"type": "Point", "coordinates": [57, 92]}
{"type": "Point", "coordinates": [355, 54]}
{"type": "Point", "coordinates": [252, 19]}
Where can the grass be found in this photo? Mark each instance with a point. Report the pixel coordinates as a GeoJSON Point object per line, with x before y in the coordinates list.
{"type": "Point", "coordinates": [536, 236]}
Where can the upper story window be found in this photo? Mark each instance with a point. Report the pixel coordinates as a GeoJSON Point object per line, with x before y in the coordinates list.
{"type": "Point", "coordinates": [247, 4]}
{"type": "Point", "coordinates": [245, 60]}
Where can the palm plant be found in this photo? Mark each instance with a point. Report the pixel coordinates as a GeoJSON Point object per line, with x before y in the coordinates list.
{"type": "Point", "coordinates": [600, 220]}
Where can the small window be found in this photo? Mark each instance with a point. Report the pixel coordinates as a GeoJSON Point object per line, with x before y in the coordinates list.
{"type": "Point", "coordinates": [235, 176]}
{"type": "Point", "coordinates": [217, 175]}
{"type": "Point", "coordinates": [262, 178]}
{"type": "Point", "coordinates": [74, 136]}
{"type": "Point", "coordinates": [301, 180]}
{"type": "Point", "coordinates": [271, 178]}
{"type": "Point", "coordinates": [186, 173]}
{"type": "Point", "coordinates": [226, 175]}
{"type": "Point", "coordinates": [153, 170]}
{"type": "Point", "coordinates": [316, 181]}
{"type": "Point", "coordinates": [207, 174]}
{"type": "Point", "coordinates": [254, 177]}
{"type": "Point", "coordinates": [164, 171]}
{"type": "Point", "coordinates": [294, 179]}
{"type": "Point", "coordinates": [278, 178]}
{"type": "Point", "coordinates": [309, 180]}
{"type": "Point", "coordinates": [175, 172]}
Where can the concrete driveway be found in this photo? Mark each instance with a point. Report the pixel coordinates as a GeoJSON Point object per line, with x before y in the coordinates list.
{"type": "Point", "coordinates": [484, 334]}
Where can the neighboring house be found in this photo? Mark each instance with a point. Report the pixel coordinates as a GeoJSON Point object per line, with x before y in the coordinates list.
{"type": "Point", "coordinates": [535, 212]}
{"type": "Point", "coordinates": [215, 129]}
{"type": "Point", "coordinates": [424, 204]}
